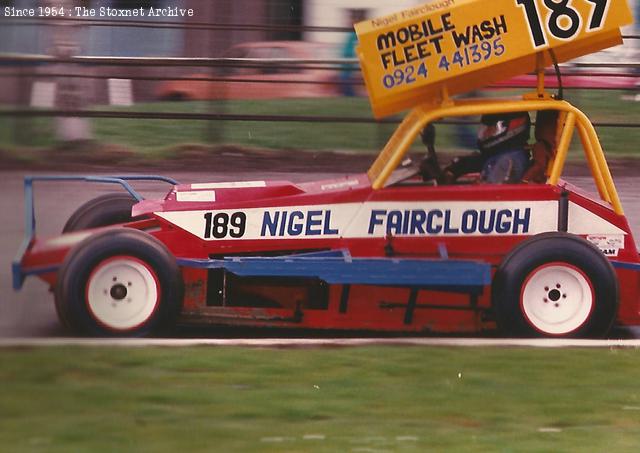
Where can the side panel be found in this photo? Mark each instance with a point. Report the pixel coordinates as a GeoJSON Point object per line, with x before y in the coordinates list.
{"type": "Point", "coordinates": [461, 222]}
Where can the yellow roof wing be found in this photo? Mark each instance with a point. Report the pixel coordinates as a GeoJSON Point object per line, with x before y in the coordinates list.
{"type": "Point", "coordinates": [453, 46]}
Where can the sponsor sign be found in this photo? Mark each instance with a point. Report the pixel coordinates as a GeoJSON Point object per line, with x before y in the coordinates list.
{"type": "Point", "coordinates": [609, 245]}
{"type": "Point", "coordinates": [382, 219]}
{"type": "Point", "coordinates": [229, 185]}
{"type": "Point", "coordinates": [408, 57]}
{"type": "Point", "coordinates": [196, 195]}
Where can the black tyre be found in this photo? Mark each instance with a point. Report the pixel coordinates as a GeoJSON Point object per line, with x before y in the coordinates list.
{"type": "Point", "coordinates": [108, 209]}
{"type": "Point", "coordinates": [119, 283]}
{"type": "Point", "coordinates": [555, 285]}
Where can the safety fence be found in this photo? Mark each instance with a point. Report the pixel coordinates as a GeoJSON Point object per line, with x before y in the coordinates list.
{"type": "Point", "coordinates": [335, 74]}
{"type": "Point", "coordinates": [620, 71]}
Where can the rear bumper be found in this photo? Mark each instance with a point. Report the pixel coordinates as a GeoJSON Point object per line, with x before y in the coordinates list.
{"type": "Point", "coordinates": [18, 270]}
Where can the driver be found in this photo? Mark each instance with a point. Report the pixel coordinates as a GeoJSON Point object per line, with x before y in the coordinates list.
{"type": "Point", "coordinates": [503, 157]}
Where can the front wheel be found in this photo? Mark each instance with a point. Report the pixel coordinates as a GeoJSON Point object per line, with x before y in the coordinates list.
{"type": "Point", "coordinates": [119, 283]}
{"type": "Point", "coordinates": [555, 285]}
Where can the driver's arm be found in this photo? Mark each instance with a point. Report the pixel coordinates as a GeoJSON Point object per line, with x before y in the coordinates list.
{"type": "Point", "coordinates": [429, 167]}
{"type": "Point", "coordinates": [464, 165]}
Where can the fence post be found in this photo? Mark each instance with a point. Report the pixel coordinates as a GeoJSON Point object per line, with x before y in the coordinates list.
{"type": "Point", "coordinates": [69, 92]}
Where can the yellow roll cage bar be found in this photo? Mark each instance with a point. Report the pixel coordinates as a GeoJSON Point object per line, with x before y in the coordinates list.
{"type": "Point", "coordinates": [400, 142]}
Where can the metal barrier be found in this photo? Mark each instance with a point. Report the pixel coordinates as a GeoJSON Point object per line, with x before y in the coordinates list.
{"type": "Point", "coordinates": [17, 66]}
{"type": "Point", "coordinates": [279, 63]}
{"type": "Point", "coordinates": [88, 22]}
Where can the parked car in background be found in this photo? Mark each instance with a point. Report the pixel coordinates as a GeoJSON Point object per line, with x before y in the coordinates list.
{"type": "Point", "coordinates": [602, 70]}
{"type": "Point", "coordinates": [571, 78]}
{"type": "Point", "coordinates": [261, 80]}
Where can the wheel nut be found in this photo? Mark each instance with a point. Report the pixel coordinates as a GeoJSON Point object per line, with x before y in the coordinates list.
{"type": "Point", "coordinates": [118, 292]}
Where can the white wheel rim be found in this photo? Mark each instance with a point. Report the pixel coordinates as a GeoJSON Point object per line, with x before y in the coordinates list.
{"type": "Point", "coordinates": [557, 299]}
{"type": "Point", "coordinates": [122, 293]}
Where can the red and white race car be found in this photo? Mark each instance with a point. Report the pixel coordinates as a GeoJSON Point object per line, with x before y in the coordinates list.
{"type": "Point", "coordinates": [383, 251]}
{"type": "Point", "coordinates": [386, 251]}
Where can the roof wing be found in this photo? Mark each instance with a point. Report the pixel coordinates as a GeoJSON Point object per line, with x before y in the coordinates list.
{"type": "Point", "coordinates": [447, 47]}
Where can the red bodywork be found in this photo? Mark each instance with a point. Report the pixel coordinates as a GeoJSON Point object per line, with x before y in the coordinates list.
{"type": "Point", "coordinates": [301, 303]}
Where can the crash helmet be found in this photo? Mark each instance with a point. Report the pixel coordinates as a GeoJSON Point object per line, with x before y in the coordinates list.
{"type": "Point", "coordinates": [502, 131]}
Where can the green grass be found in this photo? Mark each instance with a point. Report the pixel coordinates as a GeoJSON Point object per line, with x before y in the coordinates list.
{"type": "Point", "coordinates": [159, 137]}
{"type": "Point", "coordinates": [608, 107]}
{"type": "Point", "coordinates": [322, 400]}
{"type": "Point", "coordinates": [316, 136]}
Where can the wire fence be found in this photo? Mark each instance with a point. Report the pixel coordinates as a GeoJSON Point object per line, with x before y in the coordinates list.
{"type": "Point", "coordinates": [629, 71]}
{"type": "Point", "coordinates": [122, 23]}
{"type": "Point", "coordinates": [210, 26]}
{"type": "Point", "coordinates": [69, 73]}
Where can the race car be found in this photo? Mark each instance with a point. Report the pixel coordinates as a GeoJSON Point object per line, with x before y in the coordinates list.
{"type": "Point", "coordinates": [393, 250]}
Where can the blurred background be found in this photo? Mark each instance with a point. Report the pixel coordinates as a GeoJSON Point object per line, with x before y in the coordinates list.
{"type": "Point", "coordinates": [237, 75]}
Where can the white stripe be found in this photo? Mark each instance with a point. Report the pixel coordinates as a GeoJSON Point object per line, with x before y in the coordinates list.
{"type": "Point", "coordinates": [297, 342]}
{"type": "Point", "coordinates": [197, 195]}
{"type": "Point", "coordinates": [229, 185]}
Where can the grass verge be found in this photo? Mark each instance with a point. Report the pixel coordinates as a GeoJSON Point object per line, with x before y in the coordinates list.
{"type": "Point", "coordinates": [159, 138]}
{"type": "Point", "coordinates": [322, 400]}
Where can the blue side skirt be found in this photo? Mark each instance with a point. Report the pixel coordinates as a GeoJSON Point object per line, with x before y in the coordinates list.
{"type": "Point", "coordinates": [340, 268]}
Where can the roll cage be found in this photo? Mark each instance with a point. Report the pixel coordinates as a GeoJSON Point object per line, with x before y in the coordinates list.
{"type": "Point", "coordinates": [571, 119]}
{"type": "Point", "coordinates": [417, 58]}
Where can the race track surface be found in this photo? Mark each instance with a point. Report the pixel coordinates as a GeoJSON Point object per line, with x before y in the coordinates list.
{"type": "Point", "coordinates": [317, 343]}
{"type": "Point", "coordinates": [30, 313]}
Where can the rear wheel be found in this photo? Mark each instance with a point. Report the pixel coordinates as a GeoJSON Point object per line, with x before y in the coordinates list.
{"type": "Point", "coordinates": [119, 283]}
{"type": "Point", "coordinates": [555, 285]}
{"type": "Point", "coordinates": [108, 209]}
